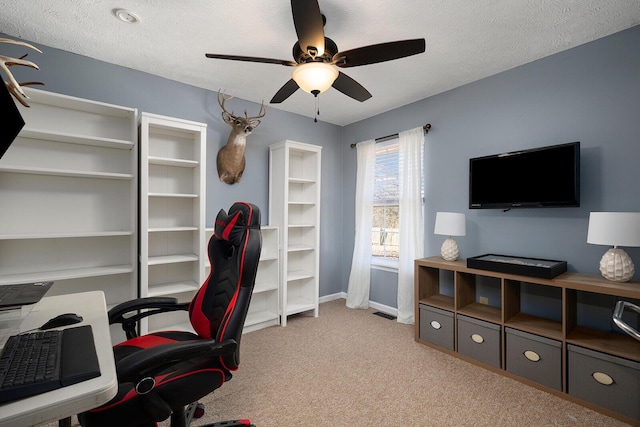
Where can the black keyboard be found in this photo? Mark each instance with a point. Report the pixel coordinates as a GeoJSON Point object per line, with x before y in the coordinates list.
{"type": "Point", "coordinates": [9, 291]}
{"type": "Point", "coordinates": [37, 362]}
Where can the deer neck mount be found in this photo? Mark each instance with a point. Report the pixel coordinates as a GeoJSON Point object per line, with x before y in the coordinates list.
{"type": "Point", "coordinates": [230, 159]}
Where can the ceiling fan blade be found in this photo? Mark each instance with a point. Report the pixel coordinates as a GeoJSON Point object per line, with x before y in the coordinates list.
{"type": "Point", "coordinates": [252, 59]}
{"type": "Point", "coordinates": [309, 26]}
{"type": "Point", "coordinates": [285, 91]}
{"type": "Point", "coordinates": [351, 88]}
{"type": "Point", "coordinates": [379, 53]}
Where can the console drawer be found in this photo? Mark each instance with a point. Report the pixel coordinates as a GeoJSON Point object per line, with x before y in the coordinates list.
{"type": "Point", "coordinates": [436, 326]}
{"type": "Point", "coordinates": [534, 357]}
{"type": "Point", "coordinates": [479, 340]}
{"type": "Point", "coordinates": [608, 381]}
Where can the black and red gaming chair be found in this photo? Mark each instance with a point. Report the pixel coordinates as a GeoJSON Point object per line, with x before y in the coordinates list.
{"type": "Point", "coordinates": [162, 374]}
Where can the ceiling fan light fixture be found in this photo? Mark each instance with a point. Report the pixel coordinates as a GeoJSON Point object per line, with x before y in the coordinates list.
{"type": "Point", "coordinates": [314, 77]}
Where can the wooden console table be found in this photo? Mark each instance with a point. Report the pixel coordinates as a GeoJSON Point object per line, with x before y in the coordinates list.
{"type": "Point", "coordinates": [537, 331]}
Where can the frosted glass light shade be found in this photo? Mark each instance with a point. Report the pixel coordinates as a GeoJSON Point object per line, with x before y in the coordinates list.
{"type": "Point", "coordinates": [615, 229]}
{"type": "Point", "coordinates": [315, 76]}
{"type": "Point", "coordinates": [450, 224]}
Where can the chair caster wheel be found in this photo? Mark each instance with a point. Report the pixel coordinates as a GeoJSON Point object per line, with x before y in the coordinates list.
{"type": "Point", "coordinates": [199, 411]}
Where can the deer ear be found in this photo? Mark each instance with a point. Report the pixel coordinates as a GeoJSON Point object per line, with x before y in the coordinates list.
{"type": "Point", "coordinates": [254, 123]}
{"type": "Point", "coordinates": [227, 117]}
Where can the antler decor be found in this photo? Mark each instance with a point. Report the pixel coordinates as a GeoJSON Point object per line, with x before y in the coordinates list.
{"type": "Point", "coordinates": [230, 159]}
{"type": "Point", "coordinates": [12, 85]}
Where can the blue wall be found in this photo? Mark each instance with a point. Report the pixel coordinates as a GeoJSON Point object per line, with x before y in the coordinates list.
{"type": "Point", "coordinates": [590, 94]}
{"type": "Point", "coordinates": [76, 75]}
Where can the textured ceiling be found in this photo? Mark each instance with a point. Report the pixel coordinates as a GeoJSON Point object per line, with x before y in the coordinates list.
{"type": "Point", "coordinates": [466, 40]}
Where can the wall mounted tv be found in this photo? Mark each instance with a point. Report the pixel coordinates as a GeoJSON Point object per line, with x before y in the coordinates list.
{"type": "Point", "coordinates": [534, 178]}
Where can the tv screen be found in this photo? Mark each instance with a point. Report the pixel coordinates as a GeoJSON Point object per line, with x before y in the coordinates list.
{"type": "Point", "coordinates": [534, 178]}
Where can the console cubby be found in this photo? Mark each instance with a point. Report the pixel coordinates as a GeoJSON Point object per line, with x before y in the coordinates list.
{"type": "Point", "coordinates": [468, 296]}
{"type": "Point", "coordinates": [545, 318]}
{"type": "Point", "coordinates": [437, 288]}
{"type": "Point", "coordinates": [522, 313]}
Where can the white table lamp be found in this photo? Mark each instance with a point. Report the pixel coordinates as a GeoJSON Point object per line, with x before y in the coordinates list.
{"type": "Point", "coordinates": [450, 224]}
{"type": "Point", "coordinates": [615, 229]}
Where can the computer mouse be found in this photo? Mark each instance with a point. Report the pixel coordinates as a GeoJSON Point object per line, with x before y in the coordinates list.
{"type": "Point", "coordinates": [61, 320]}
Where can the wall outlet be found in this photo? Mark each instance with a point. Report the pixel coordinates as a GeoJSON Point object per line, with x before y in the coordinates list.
{"type": "Point", "coordinates": [484, 300]}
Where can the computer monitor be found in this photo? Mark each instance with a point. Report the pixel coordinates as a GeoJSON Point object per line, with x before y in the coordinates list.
{"type": "Point", "coordinates": [12, 120]}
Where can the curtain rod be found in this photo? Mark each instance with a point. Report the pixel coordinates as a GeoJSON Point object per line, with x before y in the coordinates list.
{"type": "Point", "coordinates": [395, 135]}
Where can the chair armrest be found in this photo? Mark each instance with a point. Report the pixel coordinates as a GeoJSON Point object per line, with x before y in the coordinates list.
{"type": "Point", "coordinates": [129, 313]}
{"type": "Point", "coordinates": [617, 317]}
{"type": "Point", "coordinates": [147, 362]}
{"type": "Point", "coordinates": [118, 312]}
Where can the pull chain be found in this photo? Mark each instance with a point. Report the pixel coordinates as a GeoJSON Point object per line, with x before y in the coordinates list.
{"type": "Point", "coordinates": [315, 94]}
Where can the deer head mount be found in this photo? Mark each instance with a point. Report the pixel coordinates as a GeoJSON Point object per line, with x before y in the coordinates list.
{"type": "Point", "coordinates": [230, 160]}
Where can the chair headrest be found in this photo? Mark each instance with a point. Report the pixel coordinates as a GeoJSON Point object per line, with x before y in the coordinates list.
{"type": "Point", "coordinates": [232, 226]}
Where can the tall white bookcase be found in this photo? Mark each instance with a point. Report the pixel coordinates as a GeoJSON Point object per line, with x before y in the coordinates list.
{"type": "Point", "coordinates": [68, 198]}
{"type": "Point", "coordinates": [294, 207]}
{"type": "Point", "coordinates": [172, 213]}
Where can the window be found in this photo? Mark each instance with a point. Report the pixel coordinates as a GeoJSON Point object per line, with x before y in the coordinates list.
{"type": "Point", "coordinates": [386, 204]}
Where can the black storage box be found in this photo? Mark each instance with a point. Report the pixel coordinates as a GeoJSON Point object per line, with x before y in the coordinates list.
{"type": "Point", "coordinates": [479, 340]}
{"type": "Point", "coordinates": [534, 357]}
{"type": "Point", "coordinates": [608, 381]}
{"type": "Point", "coordinates": [533, 267]}
{"type": "Point", "coordinates": [436, 326]}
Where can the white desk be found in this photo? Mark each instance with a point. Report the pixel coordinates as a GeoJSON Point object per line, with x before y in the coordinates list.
{"type": "Point", "coordinates": [73, 399]}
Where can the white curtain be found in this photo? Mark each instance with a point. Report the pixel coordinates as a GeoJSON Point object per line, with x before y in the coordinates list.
{"type": "Point", "coordinates": [411, 223]}
{"type": "Point", "coordinates": [360, 277]}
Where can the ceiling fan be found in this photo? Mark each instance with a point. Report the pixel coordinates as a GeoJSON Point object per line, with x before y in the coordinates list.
{"type": "Point", "coordinates": [316, 57]}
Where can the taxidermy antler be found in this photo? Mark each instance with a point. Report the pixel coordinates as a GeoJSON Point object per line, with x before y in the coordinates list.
{"type": "Point", "coordinates": [230, 160]}
{"type": "Point", "coordinates": [12, 85]}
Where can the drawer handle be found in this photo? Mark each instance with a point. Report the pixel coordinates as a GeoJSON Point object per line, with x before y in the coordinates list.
{"type": "Point", "coordinates": [435, 324]}
{"type": "Point", "coordinates": [532, 356]}
{"type": "Point", "coordinates": [602, 378]}
{"type": "Point", "coordinates": [477, 338]}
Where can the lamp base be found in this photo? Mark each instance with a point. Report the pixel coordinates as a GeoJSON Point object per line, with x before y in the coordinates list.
{"type": "Point", "coordinates": [449, 250]}
{"type": "Point", "coordinates": [616, 265]}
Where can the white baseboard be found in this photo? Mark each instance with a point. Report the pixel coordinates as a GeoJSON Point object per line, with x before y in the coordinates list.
{"type": "Point", "coordinates": [343, 295]}
{"type": "Point", "coordinates": [332, 297]}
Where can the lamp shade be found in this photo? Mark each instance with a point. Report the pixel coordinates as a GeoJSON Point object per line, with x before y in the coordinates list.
{"type": "Point", "coordinates": [614, 228]}
{"type": "Point", "coordinates": [315, 76]}
{"type": "Point", "coordinates": [450, 224]}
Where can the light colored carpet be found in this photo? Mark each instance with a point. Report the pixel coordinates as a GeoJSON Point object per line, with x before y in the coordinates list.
{"type": "Point", "coordinates": [352, 368]}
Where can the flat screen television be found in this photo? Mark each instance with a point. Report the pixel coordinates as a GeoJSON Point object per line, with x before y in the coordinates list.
{"type": "Point", "coordinates": [534, 178]}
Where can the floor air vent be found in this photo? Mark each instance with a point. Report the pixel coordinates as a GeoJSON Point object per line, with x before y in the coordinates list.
{"type": "Point", "coordinates": [385, 315]}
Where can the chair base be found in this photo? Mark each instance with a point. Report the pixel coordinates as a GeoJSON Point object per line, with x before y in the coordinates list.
{"type": "Point", "coordinates": [196, 410]}
{"type": "Point", "coordinates": [235, 423]}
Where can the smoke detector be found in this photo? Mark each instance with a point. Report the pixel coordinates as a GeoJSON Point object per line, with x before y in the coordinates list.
{"type": "Point", "coordinates": [126, 16]}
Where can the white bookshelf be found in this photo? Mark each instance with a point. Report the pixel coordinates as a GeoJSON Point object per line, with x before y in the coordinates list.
{"type": "Point", "coordinates": [172, 213]}
{"type": "Point", "coordinates": [68, 186]}
{"type": "Point", "coordinates": [294, 206]}
{"type": "Point", "coordinates": [264, 310]}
